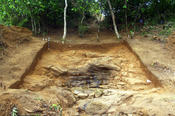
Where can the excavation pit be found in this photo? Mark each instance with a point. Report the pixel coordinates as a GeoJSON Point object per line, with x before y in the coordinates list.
{"type": "Point", "coordinates": [112, 65]}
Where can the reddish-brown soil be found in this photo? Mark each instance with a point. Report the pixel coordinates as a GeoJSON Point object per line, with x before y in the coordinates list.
{"type": "Point", "coordinates": [131, 75]}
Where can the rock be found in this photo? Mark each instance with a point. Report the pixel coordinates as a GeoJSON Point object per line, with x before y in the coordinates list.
{"type": "Point", "coordinates": [82, 95]}
{"type": "Point", "coordinates": [112, 109]}
{"type": "Point", "coordinates": [91, 95]}
{"type": "Point", "coordinates": [117, 77]}
{"type": "Point", "coordinates": [74, 83]}
{"type": "Point", "coordinates": [57, 71]}
{"type": "Point", "coordinates": [65, 97]}
{"type": "Point", "coordinates": [95, 84]}
{"type": "Point", "coordinates": [96, 107]}
{"type": "Point", "coordinates": [101, 105]}
{"type": "Point", "coordinates": [76, 92]}
{"type": "Point", "coordinates": [98, 93]}
{"type": "Point", "coordinates": [122, 114]}
{"type": "Point", "coordinates": [131, 65]}
{"type": "Point", "coordinates": [148, 81]}
{"type": "Point", "coordinates": [107, 92]}
{"type": "Point", "coordinates": [91, 55]}
{"type": "Point", "coordinates": [105, 62]}
{"type": "Point", "coordinates": [124, 73]}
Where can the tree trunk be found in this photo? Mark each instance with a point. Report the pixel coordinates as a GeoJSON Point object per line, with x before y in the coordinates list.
{"type": "Point", "coordinates": [32, 24]}
{"type": "Point", "coordinates": [82, 19]}
{"type": "Point", "coordinates": [126, 16]}
{"type": "Point", "coordinates": [113, 19]}
{"type": "Point", "coordinates": [65, 29]}
{"type": "Point", "coordinates": [35, 28]}
{"type": "Point", "coordinates": [98, 30]}
{"type": "Point", "coordinates": [39, 27]}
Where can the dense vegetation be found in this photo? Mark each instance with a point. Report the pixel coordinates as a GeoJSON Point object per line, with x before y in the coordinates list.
{"type": "Point", "coordinates": [39, 15]}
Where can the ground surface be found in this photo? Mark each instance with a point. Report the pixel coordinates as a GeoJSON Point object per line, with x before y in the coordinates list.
{"type": "Point", "coordinates": [85, 77]}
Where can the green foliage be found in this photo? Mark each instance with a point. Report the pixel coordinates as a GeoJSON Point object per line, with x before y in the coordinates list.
{"type": "Point", "coordinates": [40, 14]}
{"type": "Point", "coordinates": [167, 29]}
{"type": "Point", "coordinates": [57, 107]}
{"type": "Point", "coordinates": [165, 32]}
{"type": "Point", "coordinates": [82, 29]}
{"type": "Point", "coordinates": [131, 33]}
{"type": "Point", "coordinates": [91, 8]}
{"type": "Point", "coordinates": [14, 111]}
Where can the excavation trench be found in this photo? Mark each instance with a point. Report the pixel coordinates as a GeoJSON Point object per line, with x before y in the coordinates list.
{"type": "Point", "coordinates": [113, 65]}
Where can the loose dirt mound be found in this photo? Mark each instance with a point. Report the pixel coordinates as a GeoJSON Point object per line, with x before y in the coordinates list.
{"type": "Point", "coordinates": [16, 45]}
{"type": "Point", "coordinates": [12, 36]}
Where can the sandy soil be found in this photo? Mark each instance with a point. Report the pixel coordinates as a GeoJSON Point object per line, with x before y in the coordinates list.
{"type": "Point", "coordinates": [19, 54]}
{"type": "Point", "coordinates": [158, 58]}
{"type": "Point", "coordinates": [85, 77]}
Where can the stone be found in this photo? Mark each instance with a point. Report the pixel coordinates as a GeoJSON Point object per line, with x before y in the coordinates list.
{"type": "Point", "coordinates": [104, 62]}
{"type": "Point", "coordinates": [65, 97]}
{"type": "Point", "coordinates": [148, 81]}
{"type": "Point", "coordinates": [74, 83]}
{"type": "Point", "coordinates": [124, 73]}
{"type": "Point", "coordinates": [117, 77]}
{"type": "Point", "coordinates": [131, 65]}
{"type": "Point", "coordinates": [76, 92]}
{"type": "Point", "coordinates": [112, 109]}
{"type": "Point", "coordinates": [101, 105]}
{"type": "Point", "coordinates": [96, 107]}
{"type": "Point", "coordinates": [57, 71]}
{"type": "Point", "coordinates": [91, 95]}
{"type": "Point", "coordinates": [107, 93]}
{"type": "Point", "coordinates": [122, 114]}
{"type": "Point", "coordinates": [98, 93]}
{"type": "Point", "coordinates": [95, 84]}
{"type": "Point", "coordinates": [82, 95]}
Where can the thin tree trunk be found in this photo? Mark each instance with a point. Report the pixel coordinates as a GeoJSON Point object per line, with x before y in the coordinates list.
{"type": "Point", "coordinates": [65, 29]}
{"type": "Point", "coordinates": [32, 24]}
{"type": "Point", "coordinates": [39, 27]}
{"type": "Point", "coordinates": [98, 30]}
{"type": "Point", "coordinates": [35, 28]}
{"type": "Point", "coordinates": [113, 19]}
{"type": "Point", "coordinates": [82, 19]}
{"type": "Point", "coordinates": [126, 16]}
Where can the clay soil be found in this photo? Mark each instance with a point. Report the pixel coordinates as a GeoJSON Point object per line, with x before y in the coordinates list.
{"type": "Point", "coordinates": [85, 77]}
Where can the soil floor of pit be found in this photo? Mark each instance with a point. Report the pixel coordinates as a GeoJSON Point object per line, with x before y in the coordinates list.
{"type": "Point", "coordinates": [114, 65]}
{"type": "Point", "coordinates": [104, 79]}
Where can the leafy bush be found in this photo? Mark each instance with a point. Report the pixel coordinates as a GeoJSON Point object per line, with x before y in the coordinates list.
{"type": "Point", "coordinates": [82, 29]}
{"type": "Point", "coordinates": [38, 14]}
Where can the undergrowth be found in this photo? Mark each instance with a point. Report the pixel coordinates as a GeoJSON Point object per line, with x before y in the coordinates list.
{"type": "Point", "coordinates": [163, 30]}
